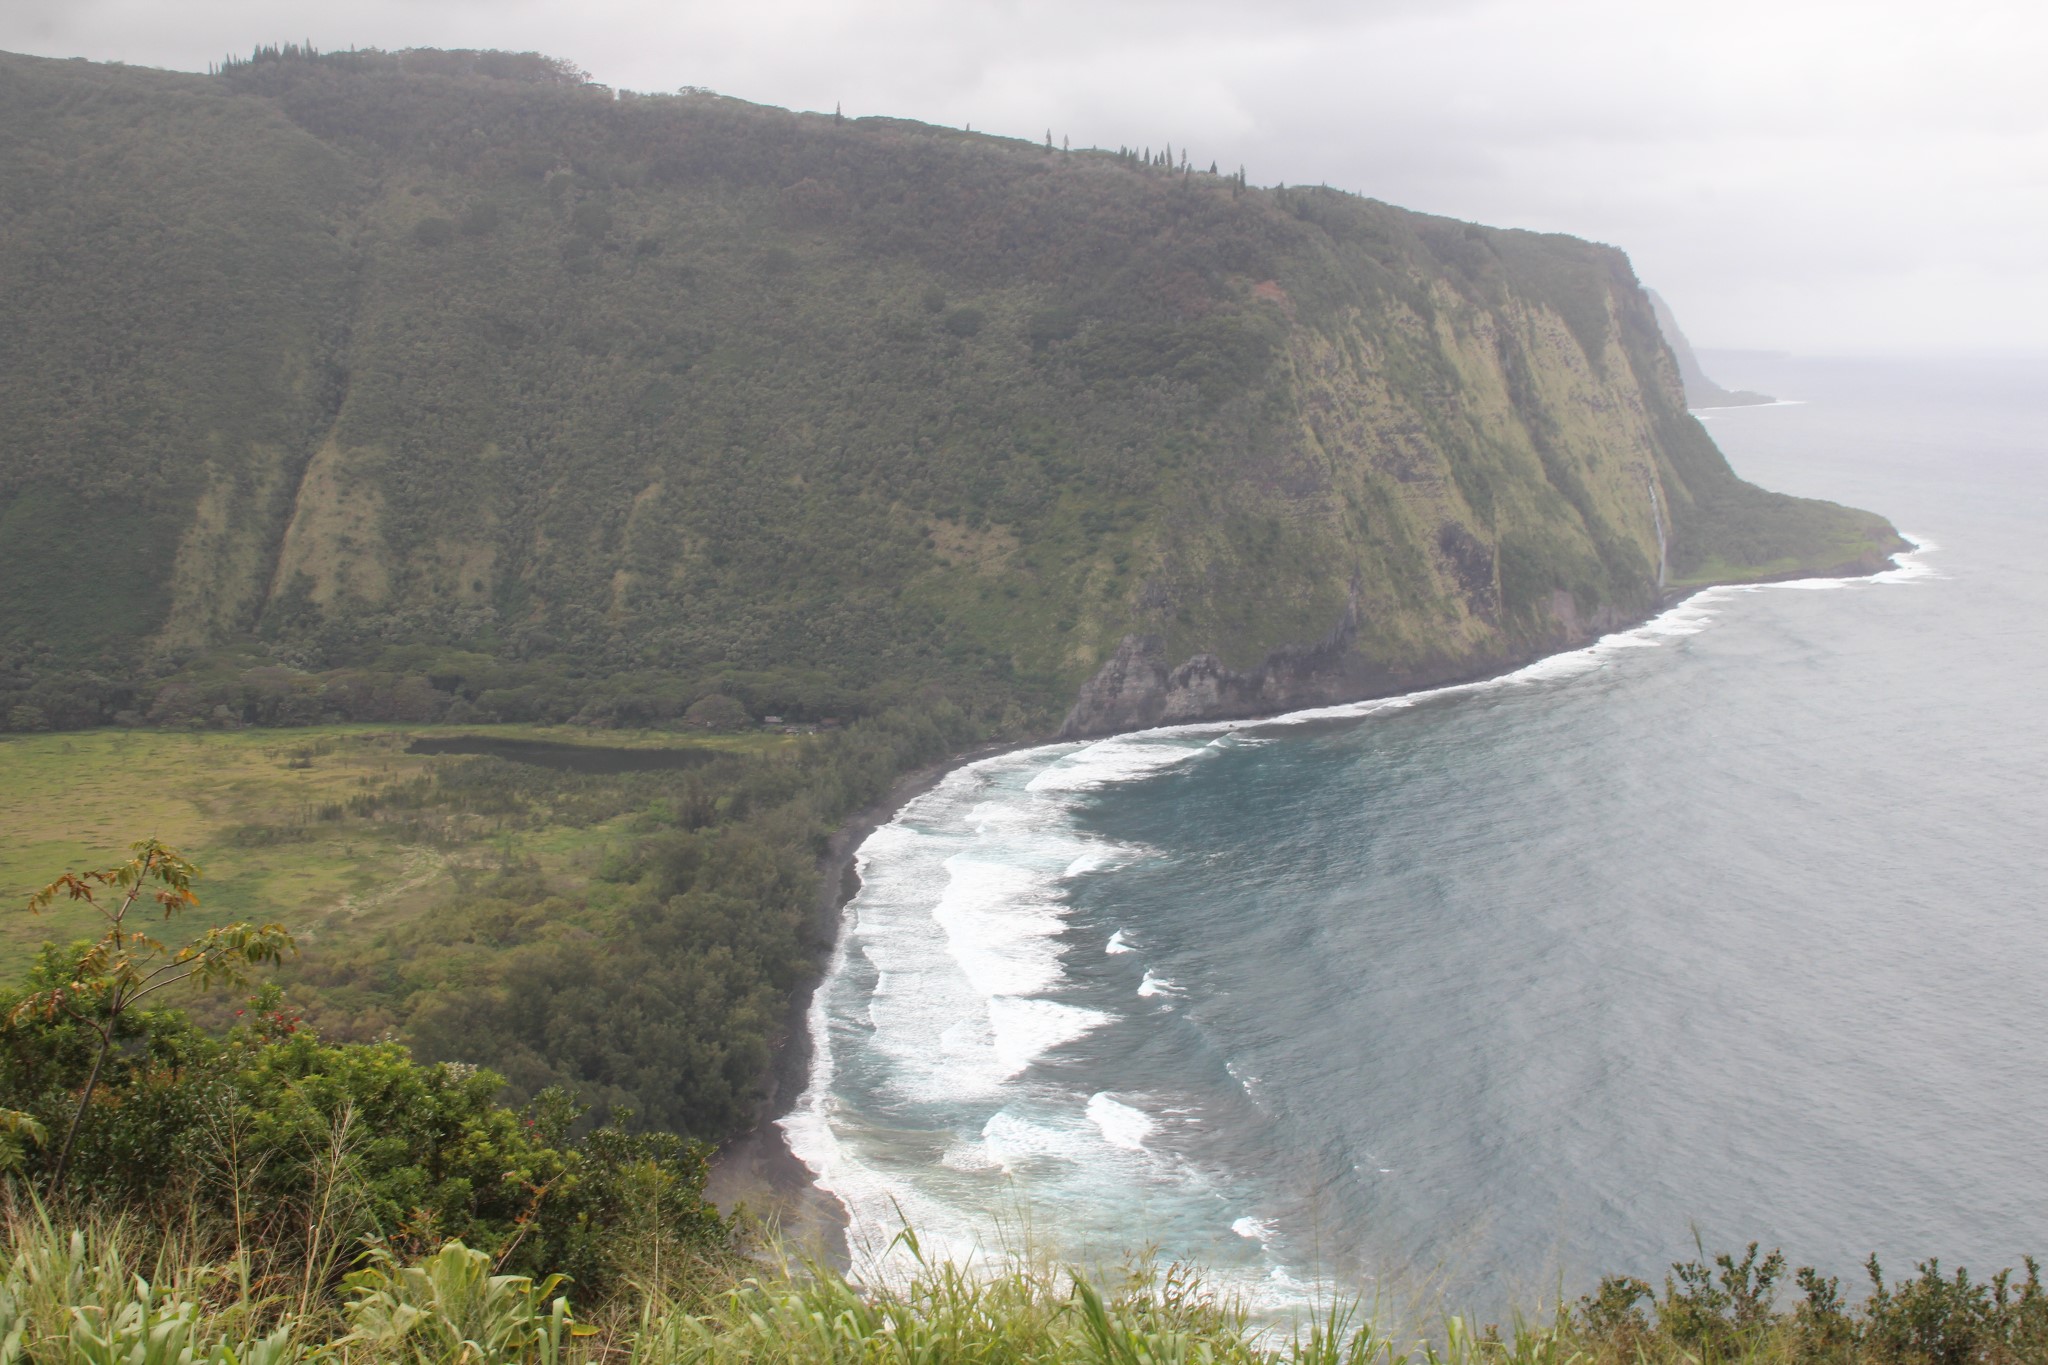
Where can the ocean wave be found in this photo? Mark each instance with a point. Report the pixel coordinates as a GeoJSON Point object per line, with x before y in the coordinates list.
{"type": "Point", "coordinates": [1025, 1030]}
{"type": "Point", "coordinates": [946, 988]}
{"type": "Point", "coordinates": [824, 1136]}
{"type": "Point", "coordinates": [961, 917]}
{"type": "Point", "coordinates": [877, 1205]}
{"type": "Point", "coordinates": [1913, 564]}
{"type": "Point", "coordinates": [1001, 927]}
{"type": "Point", "coordinates": [1110, 762]}
{"type": "Point", "coordinates": [1688, 618]}
{"type": "Point", "coordinates": [1254, 1230]}
{"type": "Point", "coordinates": [1121, 1124]}
{"type": "Point", "coordinates": [1703, 413]}
{"type": "Point", "coordinates": [1014, 1141]}
{"type": "Point", "coordinates": [971, 972]}
{"type": "Point", "coordinates": [1103, 858]}
{"type": "Point", "coordinates": [1157, 985]}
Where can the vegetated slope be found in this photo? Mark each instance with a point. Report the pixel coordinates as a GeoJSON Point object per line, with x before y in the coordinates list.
{"type": "Point", "coordinates": [548, 402]}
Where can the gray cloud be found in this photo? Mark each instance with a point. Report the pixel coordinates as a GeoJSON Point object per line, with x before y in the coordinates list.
{"type": "Point", "coordinates": [1803, 174]}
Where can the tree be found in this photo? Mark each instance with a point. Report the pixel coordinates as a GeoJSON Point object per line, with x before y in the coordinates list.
{"type": "Point", "coordinates": [434, 231]}
{"type": "Point", "coordinates": [716, 711]}
{"type": "Point", "coordinates": [125, 967]}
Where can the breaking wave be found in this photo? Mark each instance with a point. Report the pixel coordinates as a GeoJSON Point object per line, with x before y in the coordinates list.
{"type": "Point", "coordinates": [964, 1023]}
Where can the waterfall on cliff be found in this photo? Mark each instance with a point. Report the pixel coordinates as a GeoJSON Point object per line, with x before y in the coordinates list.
{"type": "Point", "coordinates": [1657, 512]}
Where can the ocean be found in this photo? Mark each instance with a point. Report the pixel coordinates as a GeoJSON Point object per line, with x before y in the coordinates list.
{"type": "Point", "coordinates": [1730, 928]}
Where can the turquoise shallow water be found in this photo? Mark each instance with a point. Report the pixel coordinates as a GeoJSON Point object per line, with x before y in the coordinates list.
{"type": "Point", "coordinates": [1731, 924]}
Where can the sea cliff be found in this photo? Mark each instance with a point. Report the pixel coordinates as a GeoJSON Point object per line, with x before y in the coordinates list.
{"type": "Point", "coordinates": [435, 386]}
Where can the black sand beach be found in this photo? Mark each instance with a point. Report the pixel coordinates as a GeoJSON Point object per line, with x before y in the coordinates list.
{"type": "Point", "coordinates": [757, 1171]}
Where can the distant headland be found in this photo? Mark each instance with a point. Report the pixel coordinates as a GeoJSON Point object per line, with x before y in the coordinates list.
{"type": "Point", "coordinates": [1700, 391]}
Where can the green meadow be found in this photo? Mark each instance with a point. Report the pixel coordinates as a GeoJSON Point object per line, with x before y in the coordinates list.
{"type": "Point", "coordinates": [288, 824]}
{"type": "Point", "coordinates": [623, 914]}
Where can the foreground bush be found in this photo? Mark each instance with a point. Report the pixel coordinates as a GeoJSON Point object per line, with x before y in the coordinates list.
{"type": "Point", "coordinates": [1726, 1310]}
{"type": "Point", "coordinates": [302, 1155]}
{"type": "Point", "coordinates": [296, 1155]}
{"type": "Point", "coordinates": [98, 1291]}
{"type": "Point", "coordinates": [87, 1294]}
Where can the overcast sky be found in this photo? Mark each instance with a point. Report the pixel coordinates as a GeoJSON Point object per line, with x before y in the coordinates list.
{"type": "Point", "coordinates": [1798, 175]}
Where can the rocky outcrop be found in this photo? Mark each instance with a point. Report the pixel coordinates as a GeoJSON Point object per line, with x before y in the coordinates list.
{"type": "Point", "coordinates": [1138, 687]}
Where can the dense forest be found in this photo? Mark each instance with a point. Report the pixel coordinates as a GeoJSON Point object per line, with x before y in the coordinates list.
{"type": "Point", "coordinates": [451, 386]}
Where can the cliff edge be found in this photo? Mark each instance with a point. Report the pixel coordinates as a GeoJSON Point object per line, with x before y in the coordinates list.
{"type": "Point", "coordinates": [449, 386]}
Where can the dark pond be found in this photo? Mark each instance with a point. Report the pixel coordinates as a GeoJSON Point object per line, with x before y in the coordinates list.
{"type": "Point", "coordinates": [574, 758]}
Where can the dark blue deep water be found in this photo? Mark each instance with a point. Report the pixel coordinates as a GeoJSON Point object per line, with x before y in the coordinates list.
{"type": "Point", "coordinates": [1737, 924]}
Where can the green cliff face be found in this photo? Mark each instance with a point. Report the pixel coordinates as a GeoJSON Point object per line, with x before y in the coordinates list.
{"type": "Point", "coordinates": [449, 363]}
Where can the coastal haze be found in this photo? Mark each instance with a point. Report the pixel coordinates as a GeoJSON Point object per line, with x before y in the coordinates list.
{"type": "Point", "coordinates": [1722, 927]}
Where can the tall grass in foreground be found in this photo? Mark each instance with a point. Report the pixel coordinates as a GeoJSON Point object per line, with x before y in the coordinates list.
{"type": "Point", "coordinates": [102, 1292]}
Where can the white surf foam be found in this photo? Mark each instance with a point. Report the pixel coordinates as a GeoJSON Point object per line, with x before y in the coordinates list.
{"type": "Point", "coordinates": [1000, 930]}
{"type": "Point", "coordinates": [1254, 1230]}
{"type": "Point", "coordinates": [1109, 762]}
{"type": "Point", "coordinates": [1015, 1141]}
{"type": "Point", "coordinates": [1102, 856]}
{"type": "Point", "coordinates": [971, 971]}
{"type": "Point", "coordinates": [945, 989]}
{"type": "Point", "coordinates": [1711, 408]}
{"type": "Point", "coordinates": [1025, 1030]}
{"type": "Point", "coordinates": [1912, 565]}
{"type": "Point", "coordinates": [1157, 985]}
{"type": "Point", "coordinates": [957, 933]}
{"type": "Point", "coordinates": [1122, 1125]}
{"type": "Point", "coordinates": [877, 1207]}
{"type": "Point", "coordinates": [960, 920]}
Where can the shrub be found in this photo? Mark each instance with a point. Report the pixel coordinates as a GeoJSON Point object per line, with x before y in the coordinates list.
{"type": "Point", "coordinates": [318, 1150]}
{"type": "Point", "coordinates": [591, 219]}
{"type": "Point", "coordinates": [25, 719]}
{"type": "Point", "coordinates": [451, 1307]}
{"type": "Point", "coordinates": [716, 712]}
{"type": "Point", "coordinates": [481, 219]}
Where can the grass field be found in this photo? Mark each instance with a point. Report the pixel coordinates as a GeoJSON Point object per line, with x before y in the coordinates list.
{"type": "Point", "coordinates": [267, 814]}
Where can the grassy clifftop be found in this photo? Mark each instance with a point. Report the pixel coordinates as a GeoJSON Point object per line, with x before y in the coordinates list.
{"type": "Point", "coordinates": [554, 402]}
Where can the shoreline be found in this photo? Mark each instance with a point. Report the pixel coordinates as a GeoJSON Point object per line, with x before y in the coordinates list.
{"type": "Point", "coordinates": [758, 1172]}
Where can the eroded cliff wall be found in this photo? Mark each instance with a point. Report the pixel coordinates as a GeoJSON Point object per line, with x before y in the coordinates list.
{"type": "Point", "coordinates": [452, 360]}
